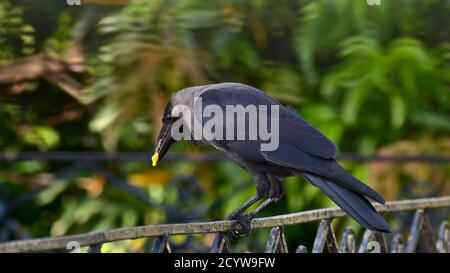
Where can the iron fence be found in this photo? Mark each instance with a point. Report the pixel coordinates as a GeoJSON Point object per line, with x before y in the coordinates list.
{"type": "Point", "coordinates": [421, 232]}
{"type": "Point", "coordinates": [420, 229]}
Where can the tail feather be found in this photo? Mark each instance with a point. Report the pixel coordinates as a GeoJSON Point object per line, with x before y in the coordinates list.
{"type": "Point", "coordinates": [354, 204]}
{"type": "Point", "coordinates": [329, 169]}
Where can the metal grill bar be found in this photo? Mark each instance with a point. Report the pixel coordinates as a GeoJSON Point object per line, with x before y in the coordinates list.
{"type": "Point", "coordinates": [72, 156]}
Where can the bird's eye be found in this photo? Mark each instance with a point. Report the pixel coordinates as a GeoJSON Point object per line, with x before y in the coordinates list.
{"type": "Point", "coordinates": [169, 118]}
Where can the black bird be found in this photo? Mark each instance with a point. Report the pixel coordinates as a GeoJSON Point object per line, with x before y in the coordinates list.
{"type": "Point", "coordinates": [302, 151]}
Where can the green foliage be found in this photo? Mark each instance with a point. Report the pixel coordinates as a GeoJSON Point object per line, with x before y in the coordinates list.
{"type": "Point", "coordinates": [399, 74]}
{"type": "Point", "coordinates": [367, 76]}
{"type": "Point", "coordinates": [12, 27]}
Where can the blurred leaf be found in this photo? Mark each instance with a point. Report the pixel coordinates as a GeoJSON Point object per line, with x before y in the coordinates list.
{"type": "Point", "coordinates": [352, 103]}
{"type": "Point", "coordinates": [43, 137]}
{"type": "Point", "coordinates": [49, 194]}
{"type": "Point", "coordinates": [397, 110]}
{"type": "Point", "coordinates": [432, 120]}
{"type": "Point", "coordinates": [105, 117]}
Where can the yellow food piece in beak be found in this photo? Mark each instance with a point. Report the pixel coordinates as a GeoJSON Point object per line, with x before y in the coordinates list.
{"type": "Point", "coordinates": [155, 158]}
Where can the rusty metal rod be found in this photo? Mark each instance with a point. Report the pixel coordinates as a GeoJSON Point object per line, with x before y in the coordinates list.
{"type": "Point", "coordinates": [207, 227]}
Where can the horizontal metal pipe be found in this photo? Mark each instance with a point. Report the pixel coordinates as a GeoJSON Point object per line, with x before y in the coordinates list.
{"type": "Point", "coordinates": [68, 156]}
{"type": "Point", "coordinates": [207, 227]}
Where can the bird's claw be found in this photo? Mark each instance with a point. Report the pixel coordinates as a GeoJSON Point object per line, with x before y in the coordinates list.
{"type": "Point", "coordinates": [241, 227]}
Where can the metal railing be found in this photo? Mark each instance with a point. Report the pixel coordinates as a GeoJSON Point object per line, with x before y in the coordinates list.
{"type": "Point", "coordinates": [194, 157]}
{"type": "Point", "coordinates": [421, 232]}
{"type": "Point", "coordinates": [325, 237]}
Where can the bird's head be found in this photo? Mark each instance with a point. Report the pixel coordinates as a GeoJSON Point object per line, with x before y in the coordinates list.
{"type": "Point", "coordinates": [165, 139]}
{"type": "Point", "coordinates": [174, 111]}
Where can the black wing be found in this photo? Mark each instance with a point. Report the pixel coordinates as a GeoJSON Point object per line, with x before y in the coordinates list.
{"type": "Point", "coordinates": [301, 146]}
{"type": "Point", "coordinates": [294, 130]}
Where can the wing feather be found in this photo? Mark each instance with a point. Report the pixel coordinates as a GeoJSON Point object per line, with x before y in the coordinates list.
{"type": "Point", "coordinates": [293, 130]}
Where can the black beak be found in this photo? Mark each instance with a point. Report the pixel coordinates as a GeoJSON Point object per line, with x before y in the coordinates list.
{"type": "Point", "coordinates": [163, 143]}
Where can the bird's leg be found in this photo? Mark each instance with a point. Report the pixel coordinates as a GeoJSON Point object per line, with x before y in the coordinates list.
{"type": "Point", "coordinates": [237, 212]}
{"type": "Point", "coordinates": [262, 190]}
{"type": "Point", "coordinates": [235, 215]}
{"type": "Point", "coordinates": [242, 225]}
